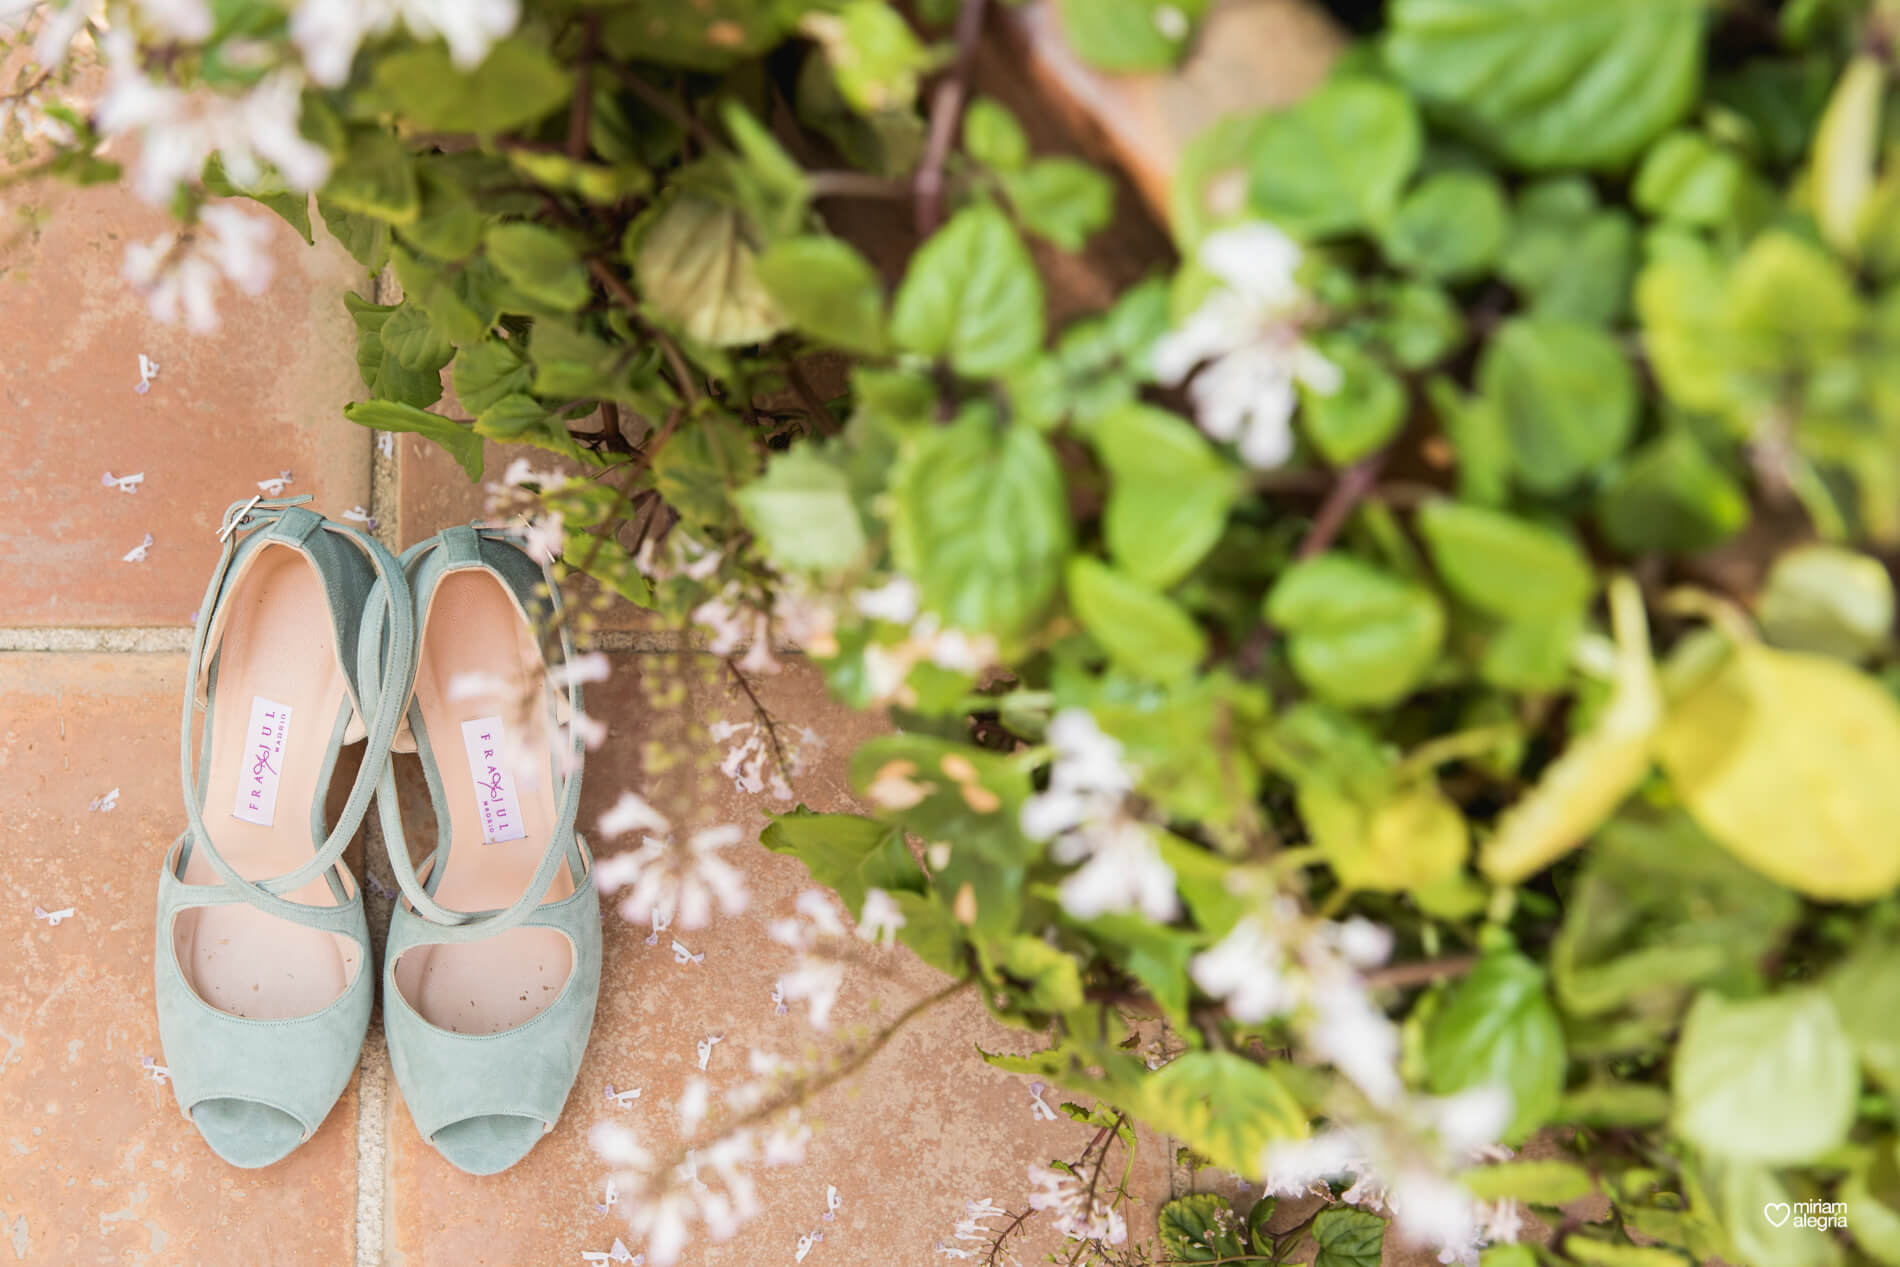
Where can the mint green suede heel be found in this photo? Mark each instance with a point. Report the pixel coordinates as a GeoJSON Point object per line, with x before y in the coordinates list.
{"type": "Point", "coordinates": [260, 986]}
{"type": "Point", "coordinates": [492, 964]}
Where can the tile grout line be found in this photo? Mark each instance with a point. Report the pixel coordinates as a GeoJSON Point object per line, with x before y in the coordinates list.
{"type": "Point", "coordinates": [372, 1086]}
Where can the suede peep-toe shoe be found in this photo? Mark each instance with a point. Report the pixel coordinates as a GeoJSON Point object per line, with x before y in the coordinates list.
{"type": "Point", "coordinates": [261, 986]}
{"type": "Point", "coordinates": [492, 964]}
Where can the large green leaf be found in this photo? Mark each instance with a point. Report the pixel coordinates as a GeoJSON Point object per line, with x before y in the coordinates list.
{"type": "Point", "coordinates": [517, 84]}
{"type": "Point", "coordinates": [1360, 636]}
{"type": "Point", "coordinates": [698, 267]}
{"type": "Point", "coordinates": [1553, 83]}
{"type": "Point", "coordinates": [540, 264]}
{"type": "Point", "coordinates": [1828, 600]}
{"type": "Point", "coordinates": [1566, 394]}
{"type": "Point", "coordinates": [1499, 1027]}
{"type": "Point", "coordinates": [1062, 199]}
{"type": "Point", "coordinates": [981, 522]}
{"type": "Point", "coordinates": [1200, 1228]}
{"type": "Point", "coordinates": [461, 443]}
{"type": "Point", "coordinates": [1672, 497]}
{"type": "Point", "coordinates": [485, 372]}
{"type": "Point", "coordinates": [972, 297]}
{"type": "Point", "coordinates": [1866, 992]}
{"type": "Point", "coordinates": [1129, 35]}
{"type": "Point", "coordinates": [383, 372]}
{"type": "Point", "coordinates": [1362, 414]}
{"type": "Point", "coordinates": [802, 513]}
{"type": "Point", "coordinates": [828, 290]}
{"type": "Point", "coordinates": [1450, 227]}
{"type": "Point", "coordinates": [1770, 1080]}
{"type": "Point", "coordinates": [1567, 256]}
{"type": "Point", "coordinates": [1145, 632]}
{"type": "Point", "coordinates": [1504, 565]}
{"type": "Point", "coordinates": [1170, 494]}
{"type": "Point", "coordinates": [1348, 1238]}
{"type": "Point", "coordinates": [410, 337]}
{"type": "Point", "coordinates": [847, 853]}
{"type": "Point", "coordinates": [1335, 162]}
{"type": "Point", "coordinates": [1223, 1106]}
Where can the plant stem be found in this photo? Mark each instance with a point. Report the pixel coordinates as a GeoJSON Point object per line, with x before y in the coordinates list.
{"type": "Point", "coordinates": [1425, 971]}
{"type": "Point", "coordinates": [663, 104]}
{"type": "Point", "coordinates": [765, 719]}
{"type": "Point", "coordinates": [579, 114]}
{"type": "Point", "coordinates": [857, 185]}
{"type": "Point", "coordinates": [624, 296]}
{"type": "Point", "coordinates": [946, 111]}
{"type": "Point", "coordinates": [1354, 483]}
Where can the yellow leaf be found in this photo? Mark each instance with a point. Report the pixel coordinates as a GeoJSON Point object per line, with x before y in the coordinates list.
{"type": "Point", "coordinates": [1584, 786]}
{"type": "Point", "coordinates": [1792, 763]}
{"type": "Point", "coordinates": [1845, 147]}
{"type": "Point", "coordinates": [1416, 839]}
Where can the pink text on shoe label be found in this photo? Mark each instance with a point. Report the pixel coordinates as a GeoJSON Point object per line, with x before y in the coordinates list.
{"type": "Point", "coordinates": [263, 761]}
{"type": "Point", "coordinates": [485, 739]}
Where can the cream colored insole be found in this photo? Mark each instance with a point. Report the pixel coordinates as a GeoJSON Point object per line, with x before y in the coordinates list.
{"type": "Point", "coordinates": [277, 648]}
{"type": "Point", "coordinates": [474, 629]}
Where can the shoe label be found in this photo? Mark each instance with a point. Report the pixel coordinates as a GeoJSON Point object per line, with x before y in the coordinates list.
{"type": "Point", "coordinates": [263, 761]}
{"type": "Point", "coordinates": [484, 738]}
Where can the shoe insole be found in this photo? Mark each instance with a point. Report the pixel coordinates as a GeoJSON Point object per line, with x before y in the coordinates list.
{"type": "Point", "coordinates": [493, 751]}
{"type": "Point", "coordinates": [273, 711]}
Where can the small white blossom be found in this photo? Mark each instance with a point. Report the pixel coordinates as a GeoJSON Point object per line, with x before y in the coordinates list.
{"type": "Point", "coordinates": [53, 918]}
{"type": "Point", "coordinates": [137, 553]}
{"type": "Point", "coordinates": [683, 954]}
{"type": "Point", "coordinates": [881, 917]}
{"type": "Point", "coordinates": [1072, 1211]}
{"type": "Point", "coordinates": [1085, 812]}
{"type": "Point", "coordinates": [895, 601]}
{"type": "Point", "coordinates": [685, 880]}
{"type": "Point", "coordinates": [632, 812]}
{"type": "Point", "coordinates": [148, 372]}
{"type": "Point", "coordinates": [693, 1103]}
{"type": "Point", "coordinates": [705, 1047]}
{"type": "Point", "coordinates": [1039, 1110]}
{"type": "Point", "coordinates": [105, 804]}
{"type": "Point", "coordinates": [1246, 338]}
{"type": "Point", "coordinates": [330, 31]}
{"type": "Point", "coordinates": [124, 483]}
{"type": "Point", "coordinates": [274, 487]}
{"type": "Point", "coordinates": [179, 275]}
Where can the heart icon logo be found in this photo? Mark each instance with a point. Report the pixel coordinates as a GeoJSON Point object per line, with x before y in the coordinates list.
{"type": "Point", "coordinates": [1777, 1212]}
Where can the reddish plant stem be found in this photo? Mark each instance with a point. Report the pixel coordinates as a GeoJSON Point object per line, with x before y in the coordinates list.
{"type": "Point", "coordinates": [946, 111]}
{"type": "Point", "coordinates": [1354, 483]}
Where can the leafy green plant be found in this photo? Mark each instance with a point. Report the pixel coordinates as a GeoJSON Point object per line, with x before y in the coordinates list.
{"type": "Point", "coordinates": [1432, 649]}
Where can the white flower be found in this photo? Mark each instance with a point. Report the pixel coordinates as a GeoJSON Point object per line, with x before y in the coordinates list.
{"type": "Point", "coordinates": [1084, 810]}
{"type": "Point", "coordinates": [881, 917]}
{"type": "Point", "coordinates": [1247, 339]}
{"type": "Point", "coordinates": [895, 601]}
{"type": "Point", "coordinates": [686, 881]}
{"type": "Point", "coordinates": [971, 1227]}
{"type": "Point", "coordinates": [1246, 969]}
{"type": "Point", "coordinates": [785, 1146]}
{"type": "Point", "coordinates": [179, 275]}
{"type": "Point", "coordinates": [693, 1103]}
{"type": "Point", "coordinates": [330, 31]}
{"type": "Point", "coordinates": [1073, 1212]}
{"type": "Point", "coordinates": [186, 20]}
{"type": "Point", "coordinates": [1353, 1034]}
{"type": "Point", "coordinates": [1124, 871]}
{"type": "Point", "coordinates": [816, 979]}
{"type": "Point", "coordinates": [632, 812]}
{"type": "Point", "coordinates": [545, 537]}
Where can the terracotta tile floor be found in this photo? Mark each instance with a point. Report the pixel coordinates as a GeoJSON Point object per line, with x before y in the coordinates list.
{"type": "Point", "coordinates": [96, 1165]}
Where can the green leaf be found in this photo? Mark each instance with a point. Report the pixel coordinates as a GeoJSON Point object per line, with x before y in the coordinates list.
{"type": "Point", "coordinates": [846, 853]}
{"type": "Point", "coordinates": [1170, 495]}
{"type": "Point", "coordinates": [1335, 162]}
{"type": "Point", "coordinates": [1537, 1182]}
{"type": "Point", "coordinates": [377, 178]}
{"type": "Point", "coordinates": [1129, 35]}
{"type": "Point", "coordinates": [1421, 325]}
{"type": "Point", "coordinates": [1504, 565]}
{"type": "Point", "coordinates": [1154, 954]}
{"type": "Point", "coordinates": [1052, 980]}
{"type": "Point", "coordinates": [802, 513]}
{"type": "Point", "coordinates": [1786, 759]}
{"type": "Point", "coordinates": [1568, 258]}
{"type": "Point", "coordinates": [1604, 1254]}
{"type": "Point", "coordinates": [1498, 1026]}
{"type": "Point", "coordinates": [485, 372]}
{"type": "Point", "coordinates": [1223, 1106]}
{"type": "Point", "coordinates": [1827, 600]}
{"type": "Point", "coordinates": [1566, 394]}
{"type": "Point", "coordinates": [992, 137]}
{"type": "Point", "coordinates": [1199, 1228]}
{"type": "Point", "coordinates": [365, 238]}
{"type": "Point", "coordinates": [1450, 228]}
{"type": "Point", "coordinates": [1362, 415]}
{"type": "Point", "coordinates": [1689, 179]}
{"type": "Point", "coordinates": [972, 297]}
{"type": "Point", "coordinates": [875, 57]}
{"type": "Point", "coordinates": [461, 443]}
{"type": "Point", "coordinates": [1408, 838]}
{"type": "Point", "coordinates": [957, 793]}
{"type": "Point", "coordinates": [294, 207]}
{"type": "Point", "coordinates": [449, 224]}
{"type": "Point", "coordinates": [1062, 199]}
{"type": "Point", "coordinates": [1348, 1238]}
{"type": "Point", "coordinates": [1657, 910]}
{"type": "Point", "coordinates": [540, 264]}
{"type": "Point", "coordinates": [701, 35]}
{"type": "Point", "coordinates": [1613, 1104]}
{"type": "Point", "coordinates": [1846, 151]}
{"type": "Point", "coordinates": [1143, 631]}
{"type": "Point", "coordinates": [1770, 1080]}
{"type": "Point", "coordinates": [1360, 636]}
{"type": "Point", "coordinates": [1671, 497]}
{"type": "Point", "coordinates": [1552, 83]}
{"type": "Point", "coordinates": [1865, 988]}
{"type": "Point", "coordinates": [383, 374]}
{"type": "Point", "coordinates": [828, 290]}
{"type": "Point", "coordinates": [697, 265]}
{"type": "Point", "coordinates": [982, 523]}
{"type": "Point", "coordinates": [516, 85]}
{"type": "Point", "coordinates": [702, 466]}
{"type": "Point", "coordinates": [411, 338]}
{"type": "Point", "coordinates": [1744, 1195]}
{"type": "Point", "coordinates": [517, 418]}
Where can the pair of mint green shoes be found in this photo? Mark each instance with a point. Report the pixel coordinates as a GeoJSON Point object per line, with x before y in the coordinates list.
{"type": "Point", "coordinates": [312, 637]}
